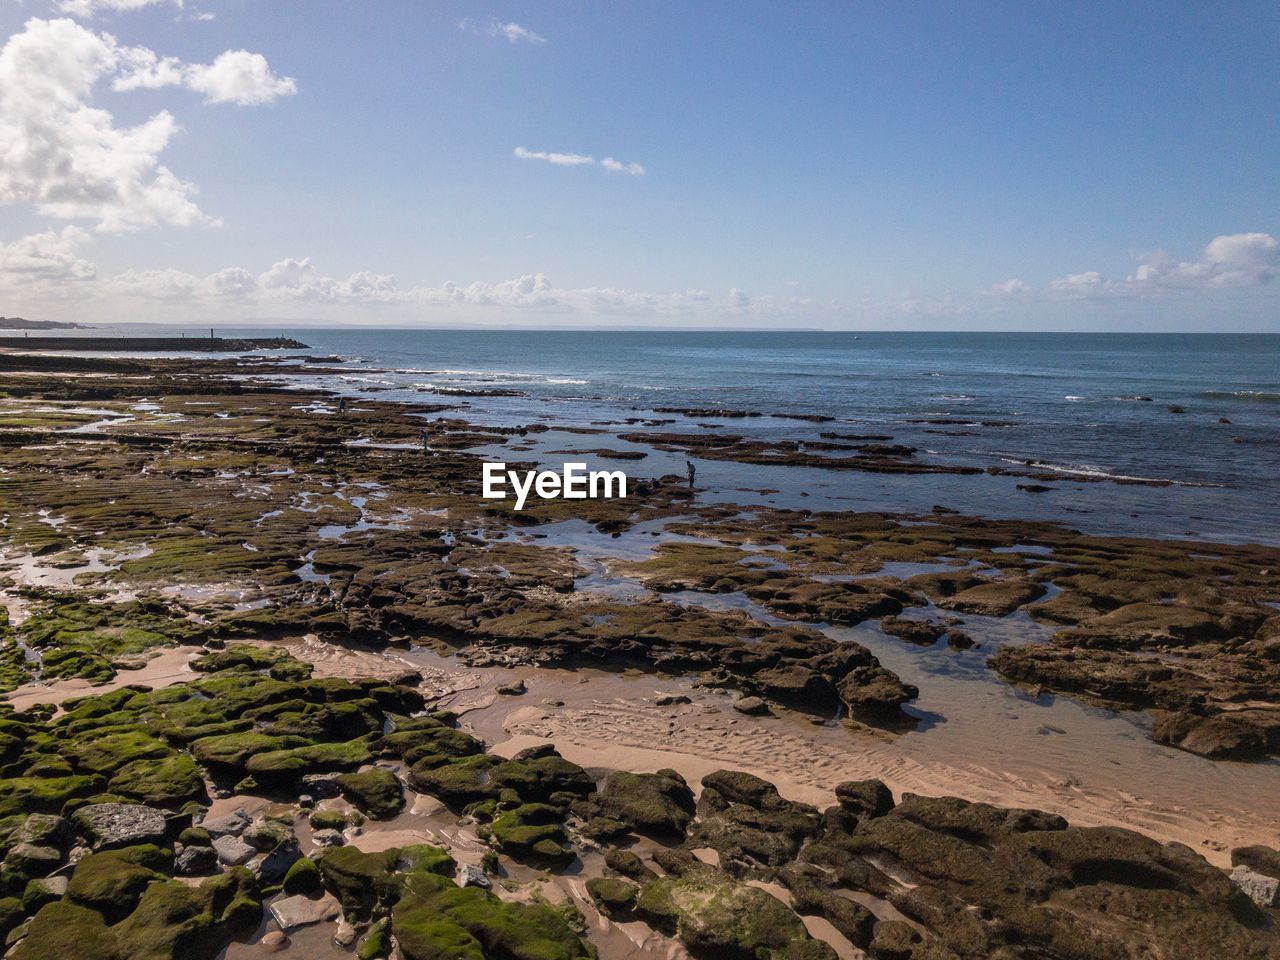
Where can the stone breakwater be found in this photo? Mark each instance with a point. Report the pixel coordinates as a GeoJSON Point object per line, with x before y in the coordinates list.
{"type": "Point", "coordinates": [153, 344]}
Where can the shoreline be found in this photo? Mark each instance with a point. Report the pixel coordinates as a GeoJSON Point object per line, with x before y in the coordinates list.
{"type": "Point", "coordinates": [229, 516]}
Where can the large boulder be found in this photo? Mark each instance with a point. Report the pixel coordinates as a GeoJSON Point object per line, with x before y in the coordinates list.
{"type": "Point", "coordinates": [110, 825]}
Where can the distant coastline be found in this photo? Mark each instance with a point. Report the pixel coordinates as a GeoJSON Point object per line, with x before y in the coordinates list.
{"type": "Point", "coordinates": [19, 323]}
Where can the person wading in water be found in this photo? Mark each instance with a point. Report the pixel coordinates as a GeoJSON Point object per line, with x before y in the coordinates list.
{"type": "Point", "coordinates": [692, 471]}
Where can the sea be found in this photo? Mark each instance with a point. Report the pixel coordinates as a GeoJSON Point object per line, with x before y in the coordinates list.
{"type": "Point", "coordinates": [1199, 413]}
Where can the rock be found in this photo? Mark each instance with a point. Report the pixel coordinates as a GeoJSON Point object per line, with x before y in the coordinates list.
{"type": "Point", "coordinates": [302, 877]}
{"type": "Point", "coordinates": [922, 632]}
{"type": "Point", "coordinates": [513, 689]}
{"type": "Point", "coordinates": [194, 861]}
{"type": "Point", "coordinates": [470, 875]}
{"type": "Point", "coordinates": [274, 941]}
{"type": "Point", "coordinates": [319, 785]}
{"type": "Point", "coordinates": [232, 851]}
{"type": "Point", "coordinates": [669, 699]}
{"type": "Point", "coordinates": [376, 793]}
{"type": "Point", "coordinates": [752, 707]}
{"type": "Point", "coordinates": [996, 598]}
{"type": "Point", "coordinates": [658, 805]}
{"type": "Point", "coordinates": [752, 828]}
{"type": "Point", "coordinates": [110, 825]}
{"type": "Point", "coordinates": [267, 833]}
{"type": "Point", "coordinates": [272, 867]}
{"type": "Point", "coordinates": [25, 861]}
{"type": "Point", "coordinates": [45, 890]}
{"type": "Point", "coordinates": [613, 897]}
{"type": "Point", "coordinates": [865, 798]}
{"type": "Point", "coordinates": [1222, 737]}
{"type": "Point", "coordinates": [299, 911]}
{"type": "Point", "coordinates": [45, 830]}
{"type": "Point", "coordinates": [328, 838]}
{"type": "Point", "coordinates": [1261, 889]}
{"type": "Point", "coordinates": [893, 940]}
{"type": "Point", "coordinates": [345, 935]}
{"type": "Point", "coordinates": [875, 692]}
{"type": "Point", "coordinates": [1258, 858]}
{"type": "Point", "coordinates": [959, 640]}
{"type": "Point", "coordinates": [231, 824]}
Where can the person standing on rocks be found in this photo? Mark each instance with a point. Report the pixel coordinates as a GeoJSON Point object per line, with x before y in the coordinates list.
{"type": "Point", "coordinates": [692, 471]}
{"type": "Point", "coordinates": [342, 406]}
{"type": "Point", "coordinates": [426, 442]}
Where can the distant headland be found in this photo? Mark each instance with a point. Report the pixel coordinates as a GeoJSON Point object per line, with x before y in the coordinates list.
{"type": "Point", "coordinates": [18, 323]}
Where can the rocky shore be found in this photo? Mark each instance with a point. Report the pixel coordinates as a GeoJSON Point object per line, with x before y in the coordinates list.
{"type": "Point", "coordinates": [155, 509]}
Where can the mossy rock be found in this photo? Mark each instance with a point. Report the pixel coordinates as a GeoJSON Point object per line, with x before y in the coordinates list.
{"type": "Point", "coordinates": [62, 930]}
{"type": "Point", "coordinates": [303, 877]}
{"type": "Point", "coordinates": [45, 794]}
{"type": "Point", "coordinates": [362, 882]}
{"type": "Point", "coordinates": [175, 921]}
{"type": "Point", "coordinates": [328, 820]}
{"type": "Point", "coordinates": [456, 783]}
{"type": "Point", "coordinates": [112, 882]}
{"type": "Point", "coordinates": [376, 944]}
{"type": "Point", "coordinates": [195, 837]}
{"type": "Point", "coordinates": [282, 767]}
{"type": "Point", "coordinates": [714, 916]}
{"type": "Point", "coordinates": [438, 920]}
{"type": "Point", "coordinates": [12, 912]}
{"type": "Point", "coordinates": [533, 833]}
{"type": "Point", "coordinates": [376, 793]}
{"type": "Point", "coordinates": [167, 782]}
{"type": "Point", "coordinates": [613, 897]}
{"type": "Point", "coordinates": [235, 749]}
{"type": "Point", "coordinates": [654, 804]}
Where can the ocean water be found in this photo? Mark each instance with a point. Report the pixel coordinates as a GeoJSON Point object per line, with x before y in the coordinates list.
{"type": "Point", "coordinates": [1079, 405]}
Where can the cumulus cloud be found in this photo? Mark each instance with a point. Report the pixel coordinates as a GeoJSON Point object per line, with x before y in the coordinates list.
{"type": "Point", "coordinates": [235, 76]}
{"type": "Point", "coordinates": [69, 159]}
{"type": "Point", "coordinates": [1231, 260]}
{"type": "Point", "coordinates": [580, 160]}
{"type": "Point", "coordinates": [51, 257]}
{"type": "Point", "coordinates": [1228, 261]}
{"type": "Point", "coordinates": [497, 30]}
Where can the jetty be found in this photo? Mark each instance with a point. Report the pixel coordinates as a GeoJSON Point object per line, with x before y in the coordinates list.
{"type": "Point", "coordinates": [153, 344]}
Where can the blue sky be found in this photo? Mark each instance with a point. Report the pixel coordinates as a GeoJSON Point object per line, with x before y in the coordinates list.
{"type": "Point", "coordinates": [995, 165]}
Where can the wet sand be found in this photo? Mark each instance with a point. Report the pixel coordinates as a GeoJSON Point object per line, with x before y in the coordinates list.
{"type": "Point", "coordinates": [987, 742]}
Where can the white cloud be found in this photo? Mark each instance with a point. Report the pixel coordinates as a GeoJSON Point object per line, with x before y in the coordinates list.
{"type": "Point", "coordinates": [166, 284]}
{"type": "Point", "coordinates": [69, 159]}
{"type": "Point", "coordinates": [299, 279]}
{"type": "Point", "coordinates": [52, 257]}
{"type": "Point", "coordinates": [1231, 260]}
{"type": "Point", "coordinates": [580, 160]}
{"type": "Point", "coordinates": [496, 29]}
{"type": "Point", "coordinates": [89, 8]}
{"type": "Point", "coordinates": [1011, 288]}
{"type": "Point", "coordinates": [558, 159]}
{"type": "Point", "coordinates": [1087, 284]}
{"type": "Point", "coordinates": [235, 76]}
{"type": "Point", "coordinates": [617, 166]}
